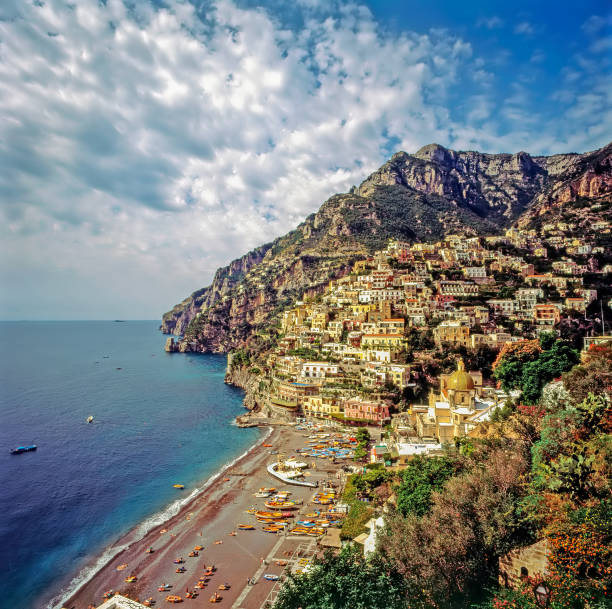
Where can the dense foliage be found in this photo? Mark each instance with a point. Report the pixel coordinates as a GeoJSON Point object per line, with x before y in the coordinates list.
{"type": "Point", "coordinates": [529, 365]}
{"type": "Point", "coordinates": [345, 581]}
{"type": "Point", "coordinates": [419, 480]}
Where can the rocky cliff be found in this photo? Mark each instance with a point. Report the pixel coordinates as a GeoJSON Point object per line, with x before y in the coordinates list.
{"type": "Point", "coordinates": [419, 197]}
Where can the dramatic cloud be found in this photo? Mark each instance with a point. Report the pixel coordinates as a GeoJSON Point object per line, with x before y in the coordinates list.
{"type": "Point", "coordinates": [142, 147]}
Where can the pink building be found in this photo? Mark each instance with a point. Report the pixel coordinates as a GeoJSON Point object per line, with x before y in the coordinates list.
{"type": "Point", "coordinates": [357, 409]}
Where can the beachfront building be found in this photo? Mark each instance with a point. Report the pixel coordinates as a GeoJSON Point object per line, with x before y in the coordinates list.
{"type": "Point", "coordinates": [292, 395]}
{"type": "Point", "coordinates": [121, 602]}
{"type": "Point", "coordinates": [323, 407]}
{"type": "Point", "coordinates": [366, 411]}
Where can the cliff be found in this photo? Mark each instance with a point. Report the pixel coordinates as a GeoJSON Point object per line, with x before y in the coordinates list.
{"type": "Point", "coordinates": [418, 197]}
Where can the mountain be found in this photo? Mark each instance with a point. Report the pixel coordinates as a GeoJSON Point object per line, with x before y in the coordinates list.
{"type": "Point", "coordinates": [412, 197]}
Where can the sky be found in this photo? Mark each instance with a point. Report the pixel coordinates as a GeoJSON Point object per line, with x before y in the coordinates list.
{"type": "Point", "coordinates": [143, 144]}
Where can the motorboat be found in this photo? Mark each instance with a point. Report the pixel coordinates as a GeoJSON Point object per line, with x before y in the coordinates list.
{"type": "Point", "coordinates": [271, 577]}
{"type": "Point", "coordinates": [173, 598]}
{"type": "Point", "coordinates": [246, 527]}
{"type": "Point", "coordinates": [179, 486]}
{"type": "Point", "coordinates": [131, 579]}
{"type": "Point", "coordinates": [90, 419]}
{"type": "Point", "coordinates": [23, 449]}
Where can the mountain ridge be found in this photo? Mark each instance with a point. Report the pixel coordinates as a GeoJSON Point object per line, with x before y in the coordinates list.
{"type": "Point", "coordinates": [413, 197]}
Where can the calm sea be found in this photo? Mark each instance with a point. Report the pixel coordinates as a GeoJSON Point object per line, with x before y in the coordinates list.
{"type": "Point", "coordinates": [160, 419]}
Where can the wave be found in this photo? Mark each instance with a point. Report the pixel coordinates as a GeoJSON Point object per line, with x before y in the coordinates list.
{"type": "Point", "coordinates": [88, 572]}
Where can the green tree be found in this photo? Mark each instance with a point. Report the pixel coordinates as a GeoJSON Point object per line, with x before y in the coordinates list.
{"type": "Point", "coordinates": [420, 479]}
{"type": "Point", "coordinates": [345, 581]}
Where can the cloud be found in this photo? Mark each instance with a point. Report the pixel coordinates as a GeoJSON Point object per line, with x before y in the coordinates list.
{"type": "Point", "coordinates": [490, 23]}
{"type": "Point", "coordinates": [142, 147]}
{"type": "Point", "coordinates": [524, 27]}
{"type": "Point", "coordinates": [595, 23]}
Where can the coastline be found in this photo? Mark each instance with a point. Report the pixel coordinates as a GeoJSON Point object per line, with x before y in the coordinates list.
{"type": "Point", "coordinates": [148, 529]}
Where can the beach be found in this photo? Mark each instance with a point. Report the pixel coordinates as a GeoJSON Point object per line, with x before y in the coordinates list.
{"type": "Point", "coordinates": [209, 521]}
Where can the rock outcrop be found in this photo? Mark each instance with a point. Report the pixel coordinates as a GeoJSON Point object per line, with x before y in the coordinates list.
{"type": "Point", "coordinates": [418, 197]}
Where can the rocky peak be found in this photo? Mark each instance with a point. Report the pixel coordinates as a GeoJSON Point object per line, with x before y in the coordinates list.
{"type": "Point", "coordinates": [413, 197]}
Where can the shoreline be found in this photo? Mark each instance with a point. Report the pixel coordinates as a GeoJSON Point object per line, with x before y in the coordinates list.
{"type": "Point", "coordinates": [148, 527]}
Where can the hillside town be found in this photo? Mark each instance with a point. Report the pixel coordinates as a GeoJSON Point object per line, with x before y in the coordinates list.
{"type": "Point", "coordinates": [364, 352]}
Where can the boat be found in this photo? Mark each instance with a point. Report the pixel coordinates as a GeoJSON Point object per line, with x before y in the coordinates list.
{"type": "Point", "coordinates": [246, 527]}
{"type": "Point", "coordinates": [164, 588]}
{"type": "Point", "coordinates": [108, 594]}
{"type": "Point", "coordinates": [178, 561]}
{"type": "Point", "coordinates": [180, 570]}
{"type": "Point", "coordinates": [215, 598]}
{"type": "Point", "coordinates": [224, 587]}
{"type": "Point", "coordinates": [149, 602]}
{"type": "Point", "coordinates": [130, 579]}
{"type": "Point", "coordinates": [198, 548]}
{"type": "Point", "coordinates": [23, 449]}
{"type": "Point", "coordinates": [172, 598]}
{"type": "Point", "coordinates": [193, 554]}
{"type": "Point", "coordinates": [90, 419]}
{"type": "Point", "coordinates": [282, 505]}
{"type": "Point", "coordinates": [179, 486]}
{"type": "Point", "coordinates": [271, 577]}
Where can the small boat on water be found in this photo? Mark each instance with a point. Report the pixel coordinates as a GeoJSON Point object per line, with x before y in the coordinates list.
{"type": "Point", "coordinates": [23, 449]}
{"type": "Point", "coordinates": [90, 419]}
{"type": "Point", "coordinates": [179, 486]}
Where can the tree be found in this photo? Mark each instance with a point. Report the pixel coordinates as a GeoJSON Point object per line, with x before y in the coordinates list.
{"type": "Point", "coordinates": [420, 479]}
{"type": "Point", "coordinates": [593, 375]}
{"type": "Point", "coordinates": [345, 581]}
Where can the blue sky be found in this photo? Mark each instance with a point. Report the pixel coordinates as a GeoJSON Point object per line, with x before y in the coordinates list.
{"type": "Point", "coordinates": [144, 144]}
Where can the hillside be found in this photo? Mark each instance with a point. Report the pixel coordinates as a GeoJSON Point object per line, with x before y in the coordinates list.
{"type": "Point", "coordinates": [418, 197]}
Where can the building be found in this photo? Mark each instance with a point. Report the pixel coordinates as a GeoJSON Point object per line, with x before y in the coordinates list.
{"type": "Point", "coordinates": [121, 602]}
{"type": "Point", "coordinates": [366, 411]}
{"type": "Point", "coordinates": [318, 370]}
{"type": "Point", "coordinates": [546, 314]}
{"type": "Point", "coordinates": [455, 333]}
{"type": "Point", "coordinates": [324, 407]}
{"type": "Point", "coordinates": [457, 409]}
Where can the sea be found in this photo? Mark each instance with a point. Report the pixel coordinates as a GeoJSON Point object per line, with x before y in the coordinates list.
{"type": "Point", "coordinates": [159, 419]}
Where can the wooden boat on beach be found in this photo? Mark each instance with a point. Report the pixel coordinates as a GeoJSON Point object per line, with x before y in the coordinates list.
{"type": "Point", "coordinates": [173, 598]}
{"type": "Point", "coordinates": [246, 527]}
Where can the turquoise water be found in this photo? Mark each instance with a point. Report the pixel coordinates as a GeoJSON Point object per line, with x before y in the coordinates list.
{"type": "Point", "coordinates": [160, 419]}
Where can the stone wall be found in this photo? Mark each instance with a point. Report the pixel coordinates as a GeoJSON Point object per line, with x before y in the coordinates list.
{"type": "Point", "coordinates": [523, 562]}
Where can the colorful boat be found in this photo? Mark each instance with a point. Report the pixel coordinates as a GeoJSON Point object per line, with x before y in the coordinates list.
{"type": "Point", "coordinates": [173, 598]}
{"type": "Point", "coordinates": [246, 527]}
{"type": "Point", "coordinates": [23, 449]}
{"type": "Point", "coordinates": [179, 486]}
{"type": "Point", "coordinates": [271, 577]}
{"type": "Point", "coordinates": [130, 579]}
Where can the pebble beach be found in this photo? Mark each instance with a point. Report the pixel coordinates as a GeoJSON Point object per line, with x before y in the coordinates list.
{"type": "Point", "coordinates": [211, 521]}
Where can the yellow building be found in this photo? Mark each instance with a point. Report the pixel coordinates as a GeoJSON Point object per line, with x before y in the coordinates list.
{"type": "Point", "coordinates": [455, 333]}
{"type": "Point", "coordinates": [395, 341]}
{"type": "Point", "coordinates": [322, 407]}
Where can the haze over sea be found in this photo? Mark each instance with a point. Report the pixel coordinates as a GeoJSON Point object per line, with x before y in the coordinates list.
{"type": "Point", "coordinates": [160, 419]}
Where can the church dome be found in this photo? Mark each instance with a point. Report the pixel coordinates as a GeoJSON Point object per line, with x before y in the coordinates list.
{"type": "Point", "coordinates": [460, 380]}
